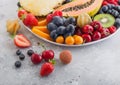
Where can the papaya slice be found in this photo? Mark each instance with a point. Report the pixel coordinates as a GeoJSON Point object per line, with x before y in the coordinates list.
{"type": "Point", "coordinates": [41, 34]}
{"type": "Point", "coordinates": [77, 7]}
{"type": "Point", "coordinates": [42, 28]}
{"type": "Point", "coordinates": [42, 22]}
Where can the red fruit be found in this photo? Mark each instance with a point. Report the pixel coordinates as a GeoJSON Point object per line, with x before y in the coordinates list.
{"type": "Point", "coordinates": [46, 69]}
{"type": "Point", "coordinates": [30, 20]}
{"type": "Point", "coordinates": [86, 38]}
{"type": "Point", "coordinates": [22, 13]}
{"type": "Point", "coordinates": [78, 31]}
{"type": "Point", "coordinates": [49, 17]}
{"type": "Point", "coordinates": [88, 29]}
{"type": "Point", "coordinates": [96, 25]}
{"type": "Point", "coordinates": [58, 13]}
{"type": "Point", "coordinates": [112, 29]}
{"type": "Point", "coordinates": [47, 55]}
{"type": "Point", "coordinates": [104, 32]}
{"type": "Point", "coordinates": [36, 58]}
{"type": "Point", "coordinates": [21, 41]}
{"type": "Point", "coordinates": [105, 3]}
{"type": "Point", "coordinates": [96, 35]}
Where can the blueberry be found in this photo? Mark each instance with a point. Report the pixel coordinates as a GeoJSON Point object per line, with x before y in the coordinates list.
{"type": "Point", "coordinates": [100, 12]}
{"type": "Point", "coordinates": [30, 52]}
{"type": "Point", "coordinates": [57, 20]}
{"type": "Point", "coordinates": [115, 13]}
{"type": "Point", "coordinates": [70, 28]}
{"type": "Point", "coordinates": [18, 52]}
{"type": "Point", "coordinates": [53, 34]}
{"type": "Point", "coordinates": [110, 6]}
{"type": "Point", "coordinates": [64, 19]}
{"type": "Point", "coordinates": [117, 22]}
{"type": "Point", "coordinates": [70, 20]}
{"type": "Point", "coordinates": [60, 30]}
{"type": "Point", "coordinates": [109, 11]}
{"type": "Point", "coordinates": [104, 9]}
{"type": "Point", "coordinates": [51, 26]}
{"type": "Point", "coordinates": [18, 4]}
{"type": "Point", "coordinates": [67, 34]}
{"type": "Point", "coordinates": [21, 56]}
{"type": "Point", "coordinates": [17, 64]}
{"type": "Point", "coordinates": [118, 8]}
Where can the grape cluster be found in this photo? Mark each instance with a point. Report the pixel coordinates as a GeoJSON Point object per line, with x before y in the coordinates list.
{"type": "Point", "coordinates": [61, 26]}
{"type": "Point", "coordinates": [113, 10]}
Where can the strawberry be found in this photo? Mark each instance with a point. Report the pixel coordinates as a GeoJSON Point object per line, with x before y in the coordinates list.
{"type": "Point", "coordinates": [46, 69]}
{"type": "Point", "coordinates": [30, 20]}
{"type": "Point", "coordinates": [21, 14]}
{"type": "Point", "coordinates": [21, 41]}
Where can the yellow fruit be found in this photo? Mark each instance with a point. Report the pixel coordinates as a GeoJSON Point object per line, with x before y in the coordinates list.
{"type": "Point", "coordinates": [41, 34]}
{"type": "Point", "coordinates": [42, 28]}
{"type": "Point", "coordinates": [78, 39]}
{"type": "Point", "coordinates": [42, 22]}
{"type": "Point", "coordinates": [69, 40]}
{"type": "Point", "coordinates": [83, 19]}
{"type": "Point", "coordinates": [40, 7]}
{"type": "Point", "coordinates": [60, 39]}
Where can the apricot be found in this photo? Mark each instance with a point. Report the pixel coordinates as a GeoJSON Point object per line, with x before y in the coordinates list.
{"type": "Point", "coordinates": [78, 39]}
{"type": "Point", "coordinates": [69, 40]}
{"type": "Point", "coordinates": [65, 56]}
{"type": "Point", "coordinates": [60, 39]}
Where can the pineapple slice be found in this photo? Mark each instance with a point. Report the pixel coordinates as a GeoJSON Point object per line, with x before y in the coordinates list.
{"type": "Point", "coordinates": [40, 7]}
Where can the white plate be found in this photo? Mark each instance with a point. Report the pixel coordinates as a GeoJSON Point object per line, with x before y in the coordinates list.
{"type": "Point", "coordinates": [85, 44]}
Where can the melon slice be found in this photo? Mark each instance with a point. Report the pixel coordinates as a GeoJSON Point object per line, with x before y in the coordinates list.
{"type": "Point", "coordinates": [77, 7]}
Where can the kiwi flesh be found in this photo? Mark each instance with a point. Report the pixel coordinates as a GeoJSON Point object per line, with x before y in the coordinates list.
{"type": "Point", "coordinates": [106, 20]}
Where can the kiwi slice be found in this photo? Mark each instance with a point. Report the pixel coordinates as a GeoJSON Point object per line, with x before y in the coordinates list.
{"type": "Point", "coordinates": [106, 20]}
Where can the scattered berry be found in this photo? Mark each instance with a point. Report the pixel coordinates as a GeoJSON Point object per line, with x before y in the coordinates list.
{"type": "Point", "coordinates": [21, 14]}
{"type": "Point", "coordinates": [21, 56]}
{"type": "Point", "coordinates": [18, 52]}
{"type": "Point", "coordinates": [30, 52]}
{"type": "Point", "coordinates": [46, 69]}
{"type": "Point", "coordinates": [36, 58]}
{"type": "Point", "coordinates": [17, 64]}
{"type": "Point", "coordinates": [48, 55]}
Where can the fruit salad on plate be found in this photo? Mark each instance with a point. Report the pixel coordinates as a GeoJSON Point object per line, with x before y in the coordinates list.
{"type": "Point", "coordinates": [70, 22]}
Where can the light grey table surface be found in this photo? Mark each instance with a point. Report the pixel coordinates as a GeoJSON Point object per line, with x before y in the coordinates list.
{"type": "Point", "coordinates": [97, 64]}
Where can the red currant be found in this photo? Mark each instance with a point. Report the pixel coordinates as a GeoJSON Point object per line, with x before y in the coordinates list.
{"type": "Point", "coordinates": [112, 29]}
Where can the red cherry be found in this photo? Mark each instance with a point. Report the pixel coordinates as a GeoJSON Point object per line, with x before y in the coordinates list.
{"type": "Point", "coordinates": [47, 55]}
{"type": "Point", "coordinates": [104, 32]}
{"type": "Point", "coordinates": [96, 35]}
{"type": "Point", "coordinates": [58, 13]}
{"type": "Point", "coordinates": [88, 29]}
{"type": "Point", "coordinates": [112, 29]}
{"type": "Point", "coordinates": [49, 17]}
{"type": "Point", "coordinates": [36, 58]}
{"type": "Point", "coordinates": [96, 25]}
{"type": "Point", "coordinates": [78, 31]}
{"type": "Point", "coordinates": [86, 38]}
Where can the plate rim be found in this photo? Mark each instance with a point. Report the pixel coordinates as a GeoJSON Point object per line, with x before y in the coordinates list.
{"type": "Point", "coordinates": [65, 45]}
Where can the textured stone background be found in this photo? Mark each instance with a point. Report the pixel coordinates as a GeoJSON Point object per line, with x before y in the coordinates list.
{"type": "Point", "coordinates": [97, 64]}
